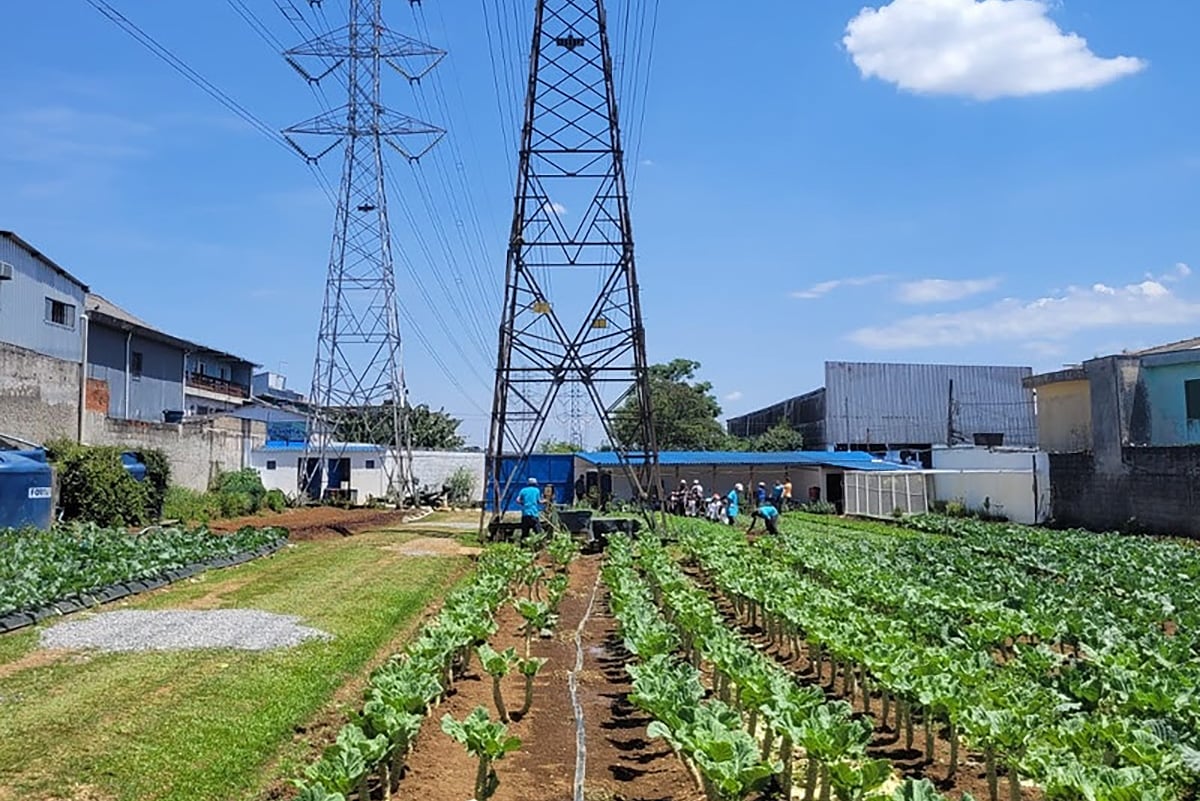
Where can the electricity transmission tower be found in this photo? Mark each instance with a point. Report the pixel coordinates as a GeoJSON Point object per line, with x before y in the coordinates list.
{"type": "Point", "coordinates": [571, 315]}
{"type": "Point", "coordinates": [358, 389]}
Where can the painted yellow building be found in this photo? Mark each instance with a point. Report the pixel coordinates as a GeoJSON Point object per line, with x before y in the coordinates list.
{"type": "Point", "coordinates": [1064, 410]}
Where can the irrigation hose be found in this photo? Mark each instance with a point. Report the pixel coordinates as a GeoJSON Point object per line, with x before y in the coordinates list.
{"type": "Point", "coordinates": [573, 688]}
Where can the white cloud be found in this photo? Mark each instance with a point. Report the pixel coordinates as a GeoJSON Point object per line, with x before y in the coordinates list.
{"type": "Point", "coordinates": [982, 49]}
{"type": "Point", "coordinates": [647, 162]}
{"type": "Point", "coordinates": [557, 209]}
{"type": "Point", "coordinates": [734, 396]}
{"type": "Point", "coordinates": [941, 290]}
{"type": "Point", "coordinates": [825, 287]}
{"type": "Point", "coordinates": [1043, 321]}
{"type": "Point", "coordinates": [1177, 273]}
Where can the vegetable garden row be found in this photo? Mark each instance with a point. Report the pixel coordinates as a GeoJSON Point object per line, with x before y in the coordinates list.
{"type": "Point", "coordinates": [1067, 660]}
{"type": "Point", "coordinates": [38, 568]}
{"type": "Point", "coordinates": [1013, 662]}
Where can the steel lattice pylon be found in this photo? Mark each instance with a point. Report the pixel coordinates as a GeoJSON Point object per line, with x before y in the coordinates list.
{"type": "Point", "coordinates": [358, 389]}
{"type": "Point", "coordinates": [571, 312]}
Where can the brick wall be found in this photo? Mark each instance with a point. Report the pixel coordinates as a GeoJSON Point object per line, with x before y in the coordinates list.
{"type": "Point", "coordinates": [39, 395]}
{"type": "Point", "coordinates": [1153, 490]}
{"type": "Point", "coordinates": [196, 449]}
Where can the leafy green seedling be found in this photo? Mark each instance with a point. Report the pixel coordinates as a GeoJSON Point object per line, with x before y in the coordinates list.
{"type": "Point", "coordinates": [485, 740]}
{"type": "Point", "coordinates": [538, 619]}
{"type": "Point", "coordinates": [529, 669]}
{"type": "Point", "coordinates": [497, 664]}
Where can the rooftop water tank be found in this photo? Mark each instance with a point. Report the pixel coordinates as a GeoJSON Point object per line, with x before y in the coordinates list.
{"type": "Point", "coordinates": [26, 492]}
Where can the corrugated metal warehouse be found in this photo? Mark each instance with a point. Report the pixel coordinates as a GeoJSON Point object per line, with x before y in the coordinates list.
{"type": "Point", "coordinates": [882, 407]}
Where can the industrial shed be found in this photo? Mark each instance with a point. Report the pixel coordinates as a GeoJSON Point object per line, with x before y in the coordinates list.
{"type": "Point", "coordinates": [814, 474]}
{"type": "Point", "coordinates": [903, 411]}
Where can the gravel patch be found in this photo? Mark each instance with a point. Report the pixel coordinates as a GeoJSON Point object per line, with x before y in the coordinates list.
{"type": "Point", "coordinates": [177, 630]}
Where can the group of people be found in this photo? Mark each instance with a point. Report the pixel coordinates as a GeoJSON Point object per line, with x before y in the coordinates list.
{"type": "Point", "coordinates": [691, 501]}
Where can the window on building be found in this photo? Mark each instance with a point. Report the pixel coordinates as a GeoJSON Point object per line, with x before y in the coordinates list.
{"type": "Point", "coordinates": [1191, 390]}
{"type": "Point", "coordinates": [59, 313]}
{"type": "Point", "coordinates": [270, 464]}
{"type": "Point", "coordinates": [370, 464]}
{"type": "Point", "coordinates": [135, 364]}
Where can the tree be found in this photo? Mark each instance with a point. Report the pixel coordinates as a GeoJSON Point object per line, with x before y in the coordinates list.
{"type": "Point", "coordinates": [430, 430]}
{"type": "Point", "coordinates": [779, 437]}
{"type": "Point", "coordinates": [685, 412]}
{"type": "Point", "coordinates": [558, 446]}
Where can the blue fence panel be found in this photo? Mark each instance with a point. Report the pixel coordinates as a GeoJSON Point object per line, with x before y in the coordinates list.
{"type": "Point", "coordinates": [550, 469]}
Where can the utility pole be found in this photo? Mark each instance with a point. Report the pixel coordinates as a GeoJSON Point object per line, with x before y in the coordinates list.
{"type": "Point", "coordinates": [572, 312]}
{"type": "Point", "coordinates": [358, 389]}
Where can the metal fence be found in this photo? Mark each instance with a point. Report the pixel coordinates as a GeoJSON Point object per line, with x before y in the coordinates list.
{"type": "Point", "coordinates": [880, 494]}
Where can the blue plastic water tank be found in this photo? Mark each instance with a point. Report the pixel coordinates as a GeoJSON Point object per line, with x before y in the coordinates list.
{"type": "Point", "coordinates": [26, 492]}
{"type": "Point", "coordinates": [134, 465]}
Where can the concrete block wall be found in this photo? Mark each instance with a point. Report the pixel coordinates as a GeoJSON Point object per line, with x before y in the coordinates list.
{"type": "Point", "coordinates": [1153, 490]}
{"type": "Point", "coordinates": [434, 468]}
{"type": "Point", "coordinates": [196, 449]}
{"type": "Point", "coordinates": [39, 395]}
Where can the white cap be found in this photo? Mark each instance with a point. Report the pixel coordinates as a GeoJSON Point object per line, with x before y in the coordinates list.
{"type": "Point", "coordinates": [532, 480]}
{"type": "Point", "coordinates": [738, 487]}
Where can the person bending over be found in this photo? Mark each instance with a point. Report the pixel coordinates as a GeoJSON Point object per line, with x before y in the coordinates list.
{"type": "Point", "coordinates": [769, 515]}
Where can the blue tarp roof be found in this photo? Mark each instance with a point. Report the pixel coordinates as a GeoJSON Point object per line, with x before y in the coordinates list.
{"type": "Point", "coordinates": [846, 460]}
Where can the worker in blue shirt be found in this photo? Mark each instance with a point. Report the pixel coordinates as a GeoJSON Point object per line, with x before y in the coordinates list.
{"type": "Point", "coordinates": [731, 505]}
{"type": "Point", "coordinates": [769, 515]}
{"type": "Point", "coordinates": [530, 501]}
{"type": "Point", "coordinates": [760, 494]}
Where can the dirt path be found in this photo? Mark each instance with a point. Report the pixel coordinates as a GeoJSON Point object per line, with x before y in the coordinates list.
{"type": "Point", "coordinates": [621, 762]}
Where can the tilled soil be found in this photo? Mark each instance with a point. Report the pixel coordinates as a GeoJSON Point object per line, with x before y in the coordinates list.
{"type": "Point", "coordinates": [319, 522]}
{"type": "Point", "coordinates": [888, 742]}
{"type": "Point", "coordinates": [621, 764]}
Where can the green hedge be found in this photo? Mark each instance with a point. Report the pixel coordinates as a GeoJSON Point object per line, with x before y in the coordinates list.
{"type": "Point", "coordinates": [233, 494]}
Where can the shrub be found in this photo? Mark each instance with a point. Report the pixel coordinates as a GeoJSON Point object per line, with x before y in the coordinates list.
{"type": "Point", "coordinates": [819, 508]}
{"type": "Point", "coordinates": [95, 486]}
{"type": "Point", "coordinates": [461, 486]}
{"type": "Point", "coordinates": [275, 500]}
{"type": "Point", "coordinates": [241, 492]}
{"type": "Point", "coordinates": [956, 509]}
{"type": "Point", "coordinates": [158, 478]}
{"type": "Point", "coordinates": [181, 503]}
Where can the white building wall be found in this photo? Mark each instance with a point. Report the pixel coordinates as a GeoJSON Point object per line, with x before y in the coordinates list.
{"type": "Point", "coordinates": [1014, 483]}
{"type": "Point", "coordinates": [432, 469]}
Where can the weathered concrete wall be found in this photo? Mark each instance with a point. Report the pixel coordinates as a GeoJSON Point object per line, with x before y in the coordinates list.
{"type": "Point", "coordinates": [196, 449]}
{"type": "Point", "coordinates": [1119, 413]}
{"type": "Point", "coordinates": [1153, 490]}
{"type": "Point", "coordinates": [433, 469]}
{"type": "Point", "coordinates": [1064, 417]}
{"type": "Point", "coordinates": [39, 395]}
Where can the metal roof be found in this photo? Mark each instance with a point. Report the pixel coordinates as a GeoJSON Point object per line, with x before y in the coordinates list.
{"type": "Point", "coordinates": [1170, 347]}
{"type": "Point", "coordinates": [107, 311]}
{"type": "Point", "coordinates": [43, 258]}
{"type": "Point", "coordinates": [846, 460]}
{"type": "Point", "coordinates": [295, 447]}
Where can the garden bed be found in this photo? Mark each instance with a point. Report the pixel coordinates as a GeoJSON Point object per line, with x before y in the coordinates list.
{"type": "Point", "coordinates": [58, 572]}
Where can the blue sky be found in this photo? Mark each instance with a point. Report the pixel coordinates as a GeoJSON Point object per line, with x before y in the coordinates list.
{"type": "Point", "coordinates": [1006, 181]}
